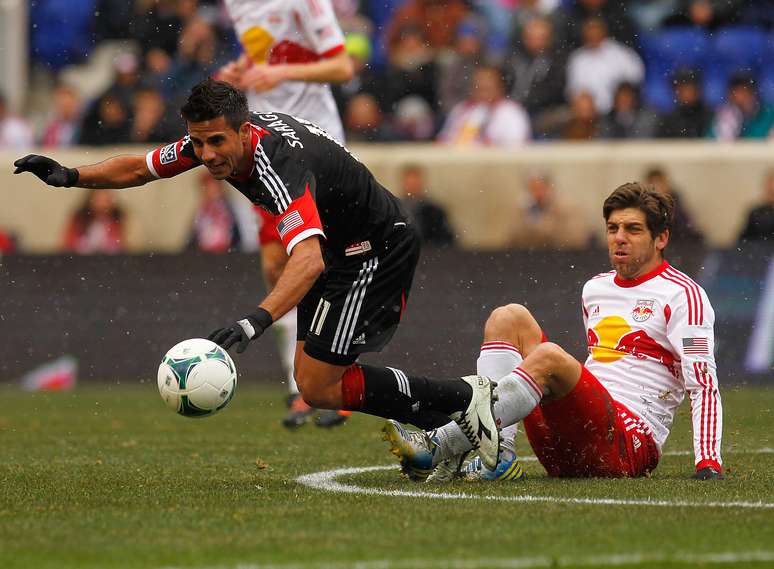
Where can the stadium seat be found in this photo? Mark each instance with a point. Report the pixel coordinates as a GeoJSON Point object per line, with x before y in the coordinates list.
{"type": "Point", "coordinates": [665, 52]}
{"type": "Point", "coordinates": [767, 71]}
{"type": "Point", "coordinates": [735, 49]}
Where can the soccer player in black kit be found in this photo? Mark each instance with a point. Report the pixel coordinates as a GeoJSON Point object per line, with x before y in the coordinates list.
{"type": "Point", "coordinates": [352, 254]}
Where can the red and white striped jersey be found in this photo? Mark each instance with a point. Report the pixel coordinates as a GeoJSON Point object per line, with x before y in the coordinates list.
{"type": "Point", "coordinates": [291, 31]}
{"type": "Point", "coordinates": [650, 340]}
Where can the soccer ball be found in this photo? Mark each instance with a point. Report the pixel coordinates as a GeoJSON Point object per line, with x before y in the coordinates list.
{"type": "Point", "coordinates": [197, 378]}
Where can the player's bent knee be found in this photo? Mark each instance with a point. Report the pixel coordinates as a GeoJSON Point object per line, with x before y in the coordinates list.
{"type": "Point", "coordinates": [505, 322]}
{"type": "Point", "coordinates": [550, 353]}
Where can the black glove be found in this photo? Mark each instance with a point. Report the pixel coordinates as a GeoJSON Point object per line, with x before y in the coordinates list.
{"type": "Point", "coordinates": [708, 473]}
{"type": "Point", "coordinates": [48, 170]}
{"type": "Point", "coordinates": [243, 331]}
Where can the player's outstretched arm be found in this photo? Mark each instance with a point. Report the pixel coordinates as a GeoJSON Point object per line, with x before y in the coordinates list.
{"type": "Point", "coordinates": [302, 270]}
{"type": "Point", "coordinates": [124, 171]}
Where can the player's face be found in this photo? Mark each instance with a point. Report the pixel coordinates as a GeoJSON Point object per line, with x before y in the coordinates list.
{"type": "Point", "coordinates": [632, 248]}
{"type": "Point", "coordinates": [220, 148]}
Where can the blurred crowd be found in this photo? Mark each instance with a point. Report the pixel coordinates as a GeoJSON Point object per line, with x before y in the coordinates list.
{"type": "Point", "coordinates": [223, 222]}
{"type": "Point", "coordinates": [497, 72]}
{"type": "Point", "coordinates": [480, 72]}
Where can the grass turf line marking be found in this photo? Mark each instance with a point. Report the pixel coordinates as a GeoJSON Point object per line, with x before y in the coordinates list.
{"type": "Point", "coordinates": [619, 560]}
{"type": "Point", "coordinates": [326, 481]}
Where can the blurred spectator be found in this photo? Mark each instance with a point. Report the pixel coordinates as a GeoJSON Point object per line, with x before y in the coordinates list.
{"type": "Point", "coordinates": [527, 10]}
{"type": "Point", "coordinates": [97, 226]}
{"type": "Point", "coordinates": [364, 122]}
{"type": "Point", "coordinates": [760, 219]}
{"type": "Point", "coordinates": [691, 118]}
{"type": "Point", "coordinates": [583, 122]}
{"type": "Point", "coordinates": [505, 20]}
{"type": "Point", "coordinates": [456, 66]}
{"type": "Point", "coordinates": [709, 14]}
{"type": "Point", "coordinates": [613, 13]}
{"type": "Point", "coordinates": [359, 48]}
{"type": "Point", "coordinates": [15, 132]}
{"type": "Point", "coordinates": [429, 217]}
{"type": "Point", "coordinates": [7, 243]}
{"type": "Point", "coordinates": [537, 69]}
{"type": "Point", "coordinates": [196, 57]}
{"type": "Point", "coordinates": [543, 221]}
{"type": "Point", "coordinates": [601, 64]}
{"type": "Point", "coordinates": [113, 19]}
{"type": "Point", "coordinates": [411, 70]}
{"type": "Point", "coordinates": [107, 122]}
{"type": "Point", "coordinates": [160, 24]}
{"type": "Point", "coordinates": [744, 115]}
{"type": "Point", "coordinates": [487, 116]}
{"type": "Point", "coordinates": [413, 120]}
{"type": "Point", "coordinates": [628, 119]}
{"type": "Point", "coordinates": [436, 19]}
{"type": "Point", "coordinates": [215, 228]}
{"type": "Point", "coordinates": [150, 120]}
{"type": "Point", "coordinates": [126, 78]}
{"type": "Point", "coordinates": [61, 127]}
{"type": "Point", "coordinates": [684, 230]}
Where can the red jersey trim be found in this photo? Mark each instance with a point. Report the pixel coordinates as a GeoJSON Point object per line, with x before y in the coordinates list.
{"type": "Point", "coordinates": [299, 221]}
{"type": "Point", "coordinates": [641, 279]}
{"type": "Point", "coordinates": [695, 302]}
{"type": "Point", "coordinates": [332, 51]}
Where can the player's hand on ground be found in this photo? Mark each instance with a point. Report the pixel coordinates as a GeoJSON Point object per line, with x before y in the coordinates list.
{"type": "Point", "coordinates": [48, 170]}
{"type": "Point", "coordinates": [243, 331]}
{"type": "Point", "coordinates": [709, 473]}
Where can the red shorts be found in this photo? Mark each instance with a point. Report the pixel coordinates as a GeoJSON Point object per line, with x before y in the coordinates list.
{"type": "Point", "coordinates": [588, 433]}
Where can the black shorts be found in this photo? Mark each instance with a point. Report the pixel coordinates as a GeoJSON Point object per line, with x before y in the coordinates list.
{"type": "Point", "coordinates": [356, 304]}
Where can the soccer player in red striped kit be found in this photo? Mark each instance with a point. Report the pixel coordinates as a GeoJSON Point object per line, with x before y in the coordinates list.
{"type": "Point", "coordinates": [650, 341]}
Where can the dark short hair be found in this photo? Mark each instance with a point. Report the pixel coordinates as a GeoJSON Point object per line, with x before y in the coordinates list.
{"type": "Point", "coordinates": [211, 99]}
{"type": "Point", "coordinates": [657, 207]}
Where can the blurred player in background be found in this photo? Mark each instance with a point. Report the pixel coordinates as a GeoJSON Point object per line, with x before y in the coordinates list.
{"type": "Point", "coordinates": [650, 340]}
{"type": "Point", "coordinates": [293, 49]}
{"type": "Point", "coordinates": [352, 255]}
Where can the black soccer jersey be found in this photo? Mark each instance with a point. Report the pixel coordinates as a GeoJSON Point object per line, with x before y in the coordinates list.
{"type": "Point", "coordinates": [306, 180]}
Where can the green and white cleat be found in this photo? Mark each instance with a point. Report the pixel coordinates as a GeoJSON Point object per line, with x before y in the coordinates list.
{"type": "Point", "coordinates": [414, 449]}
{"type": "Point", "coordinates": [478, 421]}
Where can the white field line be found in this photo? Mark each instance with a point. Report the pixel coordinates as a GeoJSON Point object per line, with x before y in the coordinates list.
{"type": "Point", "coordinates": [326, 481]}
{"type": "Point", "coordinates": [622, 560]}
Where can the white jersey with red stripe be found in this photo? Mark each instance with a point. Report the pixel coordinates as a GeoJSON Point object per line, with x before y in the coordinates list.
{"type": "Point", "coordinates": [650, 340]}
{"type": "Point", "coordinates": [291, 31]}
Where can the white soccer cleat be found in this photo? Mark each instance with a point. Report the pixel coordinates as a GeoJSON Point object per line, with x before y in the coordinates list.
{"type": "Point", "coordinates": [478, 422]}
{"type": "Point", "coordinates": [449, 469]}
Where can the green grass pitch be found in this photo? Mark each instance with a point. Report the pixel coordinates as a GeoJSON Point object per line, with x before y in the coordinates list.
{"type": "Point", "coordinates": [107, 477]}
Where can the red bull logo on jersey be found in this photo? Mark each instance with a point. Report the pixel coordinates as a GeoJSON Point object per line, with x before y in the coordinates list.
{"type": "Point", "coordinates": [612, 339]}
{"type": "Point", "coordinates": [643, 310]}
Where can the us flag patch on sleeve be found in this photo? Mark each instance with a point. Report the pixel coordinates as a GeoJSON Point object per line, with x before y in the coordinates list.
{"type": "Point", "coordinates": [288, 223]}
{"type": "Point", "coordinates": [697, 346]}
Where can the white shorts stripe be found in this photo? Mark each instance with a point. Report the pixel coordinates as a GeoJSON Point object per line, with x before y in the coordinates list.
{"type": "Point", "coordinates": [403, 383]}
{"type": "Point", "coordinates": [352, 304]}
{"type": "Point", "coordinates": [359, 304]}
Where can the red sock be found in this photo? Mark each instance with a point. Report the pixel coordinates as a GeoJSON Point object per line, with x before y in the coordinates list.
{"type": "Point", "coordinates": [352, 388]}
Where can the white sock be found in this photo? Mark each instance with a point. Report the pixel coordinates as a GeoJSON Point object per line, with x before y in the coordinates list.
{"type": "Point", "coordinates": [285, 331]}
{"type": "Point", "coordinates": [496, 360]}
